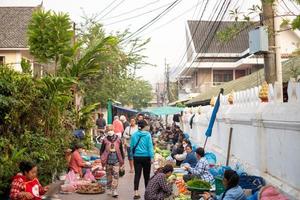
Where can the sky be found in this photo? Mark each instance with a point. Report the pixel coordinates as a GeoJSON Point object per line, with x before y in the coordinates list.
{"type": "Point", "coordinates": [168, 35]}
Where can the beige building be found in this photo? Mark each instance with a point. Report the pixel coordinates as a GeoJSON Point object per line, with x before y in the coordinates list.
{"type": "Point", "coordinates": [13, 37]}
{"type": "Point", "coordinates": [211, 63]}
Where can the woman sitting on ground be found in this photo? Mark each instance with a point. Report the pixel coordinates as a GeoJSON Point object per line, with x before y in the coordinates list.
{"type": "Point", "coordinates": [25, 184]}
{"type": "Point", "coordinates": [158, 187]}
{"type": "Point", "coordinates": [76, 163]}
{"type": "Point", "coordinates": [180, 157]}
{"type": "Point", "coordinates": [232, 190]}
{"type": "Point", "coordinates": [190, 157]}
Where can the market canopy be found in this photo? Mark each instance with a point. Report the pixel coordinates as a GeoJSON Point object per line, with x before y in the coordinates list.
{"type": "Point", "coordinates": [166, 110]}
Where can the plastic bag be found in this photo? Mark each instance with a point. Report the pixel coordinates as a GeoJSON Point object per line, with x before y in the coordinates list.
{"type": "Point", "coordinates": [89, 176]}
{"type": "Point", "coordinates": [71, 178]}
{"type": "Point", "coordinates": [121, 171]}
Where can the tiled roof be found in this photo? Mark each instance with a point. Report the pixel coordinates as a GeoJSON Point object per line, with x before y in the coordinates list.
{"type": "Point", "coordinates": [246, 82]}
{"type": "Point", "coordinates": [13, 26]}
{"type": "Point", "coordinates": [238, 44]}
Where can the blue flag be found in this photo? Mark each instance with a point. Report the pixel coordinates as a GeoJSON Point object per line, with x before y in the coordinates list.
{"type": "Point", "coordinates": [213, 118]}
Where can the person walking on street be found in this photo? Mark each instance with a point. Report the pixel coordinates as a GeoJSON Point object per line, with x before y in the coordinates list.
{"type": "Point", "coordinates": [143, 153]}
{"type": "Point", "coordinates": [112, 158]}
{"type": "Point", "coordinates": [129, 131]}
{"type": "Point", "coordinates": [100, 122]}
{"type": "Point", "coordinates": [124, 122]}
{"type": "Point", "coordinates": [118, 126]}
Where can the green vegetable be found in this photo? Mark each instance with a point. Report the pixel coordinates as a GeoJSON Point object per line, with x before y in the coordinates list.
{"type": "Point", "coordinates": [197, 183]}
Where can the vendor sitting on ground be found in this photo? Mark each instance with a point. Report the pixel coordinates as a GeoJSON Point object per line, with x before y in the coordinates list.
{"type": "Point", "coordinates": [25, 184]}
{"type": "Point", "coordinates": [190, 157]}
{"type": "Point", "coordinates": [232, 190]}
{"type": "Point", "coordinates": [200, 170]}
{"type": "Point", "coordinates": [158, 187]}
{"type": "Point", "coordinates": [178, 149]}
{"type": "Point", "coordinates": [181, 157]}
{"type": "Point", "coordinates": [76, 163]}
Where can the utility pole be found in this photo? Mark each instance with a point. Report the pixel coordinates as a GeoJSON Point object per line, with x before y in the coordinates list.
{"type": "Point", "coordinates": [269, 57]}
{"type": "Point", "coordinates": [168, 82]}
{"type": "Point", "coordinates": [278, 53]}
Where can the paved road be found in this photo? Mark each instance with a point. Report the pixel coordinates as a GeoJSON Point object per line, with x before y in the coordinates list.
{"type": "Point", "coordinates": [125, 190]}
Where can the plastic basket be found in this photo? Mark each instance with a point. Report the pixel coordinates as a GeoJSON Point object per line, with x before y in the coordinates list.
{"type": "Point", "coordinates": [219, 185]}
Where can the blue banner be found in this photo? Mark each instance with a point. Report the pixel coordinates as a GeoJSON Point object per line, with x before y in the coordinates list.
{"type": "Point", "coordinates": [213, 118]}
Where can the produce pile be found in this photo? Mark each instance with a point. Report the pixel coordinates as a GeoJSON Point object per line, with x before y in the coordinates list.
{"type": "Point", "coordinates": [90, 188]}
{"type": "Point", "coordinates": [181, 186]}
{"type": "Point", "coordinates": [163, 153]}
{"type": "Point", "coordinates": [199, 184]}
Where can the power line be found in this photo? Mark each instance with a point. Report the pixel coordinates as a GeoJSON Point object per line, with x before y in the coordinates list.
{"type": "Point", "coordinates": [190, 42]}
{"type": "Point", "coordinates": [139, 15]}
{"type": "Point", "coordinates": [133, 10]}
{"type": "Point", "coordinates": [112, 9]}
{"type": "Point", "coordinates": [295, 5]}
{"type": "Point", "coordinates": [151, 22]}
{"type": "Point", "coordinates": [170, 21]}
{"type": "Point", "coordinates": [213, 34]}
{"type": "Point", "coordinates": [216, 7]}
{"type": "Point", "coordinates": [107, 7]}
{"type": "Point", "coordinates": [288, 9]}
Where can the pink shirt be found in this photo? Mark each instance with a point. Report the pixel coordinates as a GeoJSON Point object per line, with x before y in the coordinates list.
{"type": "Point", "coordinates": [76, 162]}
{"type": "Point", "coordinates": [118, 126]}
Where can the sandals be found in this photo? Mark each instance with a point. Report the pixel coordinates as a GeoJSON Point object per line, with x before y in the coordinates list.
{"type": "Point", "coordinates": [137, 196]}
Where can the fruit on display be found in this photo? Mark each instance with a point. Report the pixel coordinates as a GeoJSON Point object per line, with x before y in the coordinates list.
{"type": "Point", "coordinates": [181, 186]}
{"type": "Point", "coordinates": [264, 92]}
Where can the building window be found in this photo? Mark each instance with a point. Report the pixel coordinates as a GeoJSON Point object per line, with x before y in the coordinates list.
{"type": "Point", "coordinates": [240, 73]}
{"type": "Point", "coordinates": [2, 60]}
{"type": "Point", "coordinates": [221, 76]}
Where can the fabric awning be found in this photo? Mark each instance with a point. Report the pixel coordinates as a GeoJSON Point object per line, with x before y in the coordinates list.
{"type": "Point", "coordinates": [166, 110]}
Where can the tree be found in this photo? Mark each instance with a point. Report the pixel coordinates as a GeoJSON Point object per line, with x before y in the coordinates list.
{"type": "Point", "coordinates": [137, 93]}
{"type": "Point", "coordinates": [49, 36]}
{"type": "Point", "coordinates": [117, 69]}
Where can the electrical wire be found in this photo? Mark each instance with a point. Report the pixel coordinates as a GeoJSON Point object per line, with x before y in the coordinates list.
{"type": "Point", "coordinates": [107, 7]}
{"type": "Point", "coordinates": [139, 15]}
{"type": "Point", "coordinates": [151, 22]}
{"type": "Point", "coordinates": [133, 10]}
{"type": "Point", "coordinates": [173, 19]}
{"type": "Point", "coordinates": [210, 33]}
{"type": "Point", "coordinates": [216, 7]}
{"type": "Point", "coordinates": [191, 39]}
{"type": "Point", "coordinates": [112, 9]}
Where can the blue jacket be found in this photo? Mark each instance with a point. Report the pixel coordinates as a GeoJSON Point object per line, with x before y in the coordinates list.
{"type": "Point", "coordinates": [235, 193]}
{"type": "Point", "coordinates": [191, 159]}
{"type": "Point", "coordinates": [145, 146]}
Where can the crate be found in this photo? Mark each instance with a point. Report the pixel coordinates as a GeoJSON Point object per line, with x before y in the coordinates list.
{"type": "Point", "coordinates": [219, 185]}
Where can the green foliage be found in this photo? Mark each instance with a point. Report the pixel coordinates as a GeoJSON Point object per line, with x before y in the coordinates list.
{"type": "Point", "coordinates": [296, 23]}
{"type": "Point", "coordinates": [32, 123]}
{"type": "Point", "coordinates": [26, 66]}
{"type": "Point", "coordinates": [49, 35]}
{"type": "Point", "coordinates": [137, 93]}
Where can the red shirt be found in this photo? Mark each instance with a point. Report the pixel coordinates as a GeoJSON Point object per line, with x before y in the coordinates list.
{"type": "Point", "coordinates": [118, 126]}
{"type": "Point", "coordinates": [21, 184]}
{"type": "Point", "coordinates": [76, 162]}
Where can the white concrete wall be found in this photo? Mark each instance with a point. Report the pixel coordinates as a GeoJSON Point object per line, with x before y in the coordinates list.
{"type": "Point", "coordinates": [265, 139]}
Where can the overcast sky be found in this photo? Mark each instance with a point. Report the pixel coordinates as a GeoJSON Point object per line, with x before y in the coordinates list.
{"type": "Point", "coordinates": [167, 35]}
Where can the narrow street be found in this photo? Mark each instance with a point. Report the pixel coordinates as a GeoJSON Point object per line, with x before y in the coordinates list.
{"type": "Point", "coordinates": [125, 190]}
